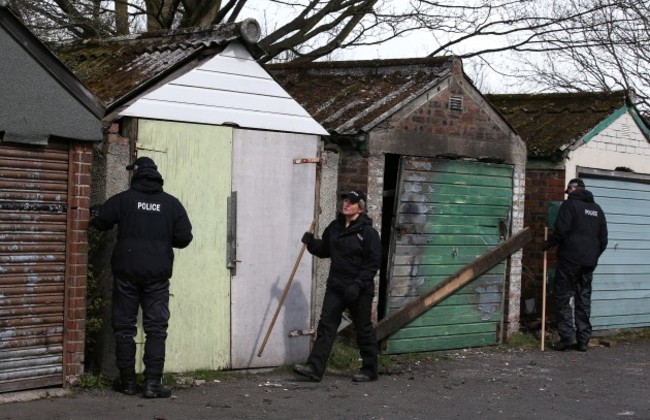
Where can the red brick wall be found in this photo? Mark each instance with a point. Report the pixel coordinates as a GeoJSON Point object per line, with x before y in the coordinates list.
{"type": "Point", "coordinates": [542, 187]}
{"type": "Point", "coordinates": [77, 260]}
{"type": "Point", "coordinates": [435, 117]}
{"type": "Point", "coordinates": [353, 172]}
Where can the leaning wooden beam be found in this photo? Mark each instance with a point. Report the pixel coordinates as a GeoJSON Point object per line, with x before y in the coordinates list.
{"type": "Point", "coordinates": [436, 294]}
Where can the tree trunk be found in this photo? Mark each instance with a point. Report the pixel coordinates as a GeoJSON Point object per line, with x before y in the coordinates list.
{"type": "Point", "coordinates": [122, 17]}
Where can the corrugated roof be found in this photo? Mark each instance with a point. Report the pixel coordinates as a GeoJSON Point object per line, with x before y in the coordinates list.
{"type": "Point", "coordinates": [546, 122]}
{"type": "Point", "coordinates": [117, 68]}
{"type": "Point", "coordinates": [349, 97]}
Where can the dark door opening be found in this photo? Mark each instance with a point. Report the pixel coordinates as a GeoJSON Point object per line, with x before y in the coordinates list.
{"type": "Point", "coordinates": [391, 170]}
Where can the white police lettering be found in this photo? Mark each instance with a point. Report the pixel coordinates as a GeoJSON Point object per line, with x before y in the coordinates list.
{"type": "Point", "coordinates": [153, 207]}
{"type": "Point", "coordinates": [593, 213]}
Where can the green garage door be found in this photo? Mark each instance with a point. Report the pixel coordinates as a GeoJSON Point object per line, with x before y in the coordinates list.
{"type": "Point", "coordinates": [448, 214]}
{"type": "Point", "coordinates": [621, 286]}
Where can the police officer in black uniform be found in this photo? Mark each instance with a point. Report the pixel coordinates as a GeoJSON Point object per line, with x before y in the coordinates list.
{"type": "Point", "coordinates": [580, 231]}
{"type": "Point", "coordinates": [150, 223]}
{"type": "Point", "coordinates": [354, 248]}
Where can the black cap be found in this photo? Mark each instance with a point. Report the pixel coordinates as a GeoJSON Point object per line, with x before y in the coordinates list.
{"type": "Point", "coordinates": [142, 162]}
{"type": "Point", "coordinates": [575, 182]}
{"type": "Point", "coordinates": [354, 196]}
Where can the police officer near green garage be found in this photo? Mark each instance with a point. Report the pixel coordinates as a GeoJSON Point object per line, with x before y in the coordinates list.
{"type": "Point", "coordinates": [150, 223]}
{"type": "Point", "coordinates": [580, 232]}
{"type": "Point", "coordinates": [354, 249]}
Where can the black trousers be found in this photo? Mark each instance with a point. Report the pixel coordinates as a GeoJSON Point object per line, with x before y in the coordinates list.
{"type": "Point", "coordinates": [153, 297]}
{"type": "Point", "coordinates": [573, 280]}
{"type": "Point", "coordinates": [330, 319]}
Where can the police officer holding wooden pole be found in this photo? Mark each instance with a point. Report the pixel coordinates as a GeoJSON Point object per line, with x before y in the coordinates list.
{"type": "Point", "coordinates": [580, 232]}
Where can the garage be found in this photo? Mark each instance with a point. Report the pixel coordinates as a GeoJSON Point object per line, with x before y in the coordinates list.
{"type": "Point", "coordinates": [448, 214]}
{"type": "Point", "coordinates": [621, 285]}
{"type": "Point", "coordinates": [48, 125]}
{"type": "Point", "coordinates": [34, 189]}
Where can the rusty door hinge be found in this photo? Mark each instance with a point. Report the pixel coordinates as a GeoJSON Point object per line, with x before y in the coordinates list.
{"type": "Point", "coordinates": [298, 333]}
{"type": "Point", "coordinates": [307, 160]}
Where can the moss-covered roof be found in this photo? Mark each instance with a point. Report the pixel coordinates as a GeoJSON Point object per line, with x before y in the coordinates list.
{"type": "Point", "coordinates": [546, 122]}
{"type": "Point", "coordinates": [115, 68]}
{"type": "Point", "coordinates": [349, 97]}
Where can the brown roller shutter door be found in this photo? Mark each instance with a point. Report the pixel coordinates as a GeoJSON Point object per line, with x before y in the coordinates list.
{"type": "Point", "coordinates": [33, 220]}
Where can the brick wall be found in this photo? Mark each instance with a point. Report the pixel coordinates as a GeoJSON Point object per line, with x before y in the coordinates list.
{"type": "Point", "coordinates": [542, 187]}
{"type": "Point", "coordinates": [109, 178]}
{"type": "Point", "coordinates": [428, 127]}
{"type": "Point", "coordinates": [77, 260]}
{"type": "Point", "coordinates": [353, 171]}
{"type": "Point", "coordinates": [512, 309]}
{"type": "Point", "coordinates": [435, 117]}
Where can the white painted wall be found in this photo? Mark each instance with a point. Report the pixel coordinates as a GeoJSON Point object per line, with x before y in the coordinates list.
{"type": "Point", "coordinates": [229, 89]}
{"type": "Point", "coordinates": [622, 143]}
{"type": "Point", "coordinates": [275, 206]}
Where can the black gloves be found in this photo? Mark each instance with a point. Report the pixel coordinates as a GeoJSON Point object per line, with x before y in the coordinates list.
{"type": "Point", "coordinates": [307, 238]}
{"type": "Point", "coordinates": [352, 293]}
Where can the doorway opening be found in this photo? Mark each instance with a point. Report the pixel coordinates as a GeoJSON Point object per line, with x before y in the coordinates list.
{"type": "Point", "coordinates": [391, 170]}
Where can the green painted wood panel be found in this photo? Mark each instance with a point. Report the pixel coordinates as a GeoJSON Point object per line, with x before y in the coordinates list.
{"type": "Point", "coordinates": [448, 213]}
{"type": "Point", "coordinates": [195, 162]}
{"type": "Point", "coordinates": [447, 341]}
{"type": "Point", "coordinates": [621, 284]}
{"type": "Point", "coordinates": [444, 330]}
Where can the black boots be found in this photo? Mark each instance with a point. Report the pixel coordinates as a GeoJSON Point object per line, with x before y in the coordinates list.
{"type": "Point", "coordinates": [363, 377]}
{"type": "Point", "coordinates": [307, 371]}
{"type": "Point", "coordinates": [564, 345]}
{"type": "Point", "coordinates": [154, 389]}
{"type": "Point", "coordinates": [577, 345]}
{"type": "Point", "coordinates": [126, 387]}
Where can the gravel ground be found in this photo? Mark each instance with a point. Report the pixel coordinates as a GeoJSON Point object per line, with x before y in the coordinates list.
{"type": "Point", "coordinates": [607, 382]}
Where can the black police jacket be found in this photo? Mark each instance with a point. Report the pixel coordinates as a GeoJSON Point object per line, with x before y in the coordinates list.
{"type": "Point", "coordinates": [580, 229]}
{"type": "Point", "coordinates": [149, 223]}
{"type": "Point", "coordinates": [355, 253]}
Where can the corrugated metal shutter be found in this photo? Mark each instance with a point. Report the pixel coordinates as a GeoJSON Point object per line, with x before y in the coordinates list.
{"type": "Point", "coordinates": [621, 286]}
{"type": "Point", "coordinates": [33, 201]}
{"type": "Point", "coordinates": [448, 214]}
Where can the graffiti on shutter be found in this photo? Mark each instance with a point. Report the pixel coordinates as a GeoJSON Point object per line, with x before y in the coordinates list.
{"type": "Point", "coordinates": [33, 225]}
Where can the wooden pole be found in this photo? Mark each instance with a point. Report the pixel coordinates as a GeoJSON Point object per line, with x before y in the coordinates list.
{"type": "Point", "coordinates": [544, 289]}
{"type": "Point", "coordinates": [284, 294]}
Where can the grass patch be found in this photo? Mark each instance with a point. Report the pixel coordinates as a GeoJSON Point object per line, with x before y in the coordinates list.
{"type": "Point", "coordinates": [632, 334]}
{"type": "Point", "coordinates": [93, 381]}
{"type": "Point", "coordinates": [343, 356]}
{"type": "Point", "coordinates": [523, 340]}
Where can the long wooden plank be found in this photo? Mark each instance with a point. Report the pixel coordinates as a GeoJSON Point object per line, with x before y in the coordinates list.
{"type": "Point", "coordinates": [415, 308]}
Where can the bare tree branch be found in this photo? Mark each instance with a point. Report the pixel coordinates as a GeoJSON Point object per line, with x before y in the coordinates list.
{"type": "Point", "coordinates": [549, 44]}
